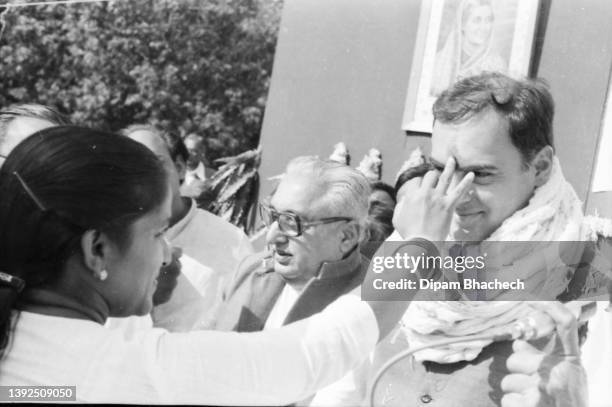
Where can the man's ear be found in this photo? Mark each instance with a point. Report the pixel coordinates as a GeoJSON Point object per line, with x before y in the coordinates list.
{"type": "Point", "coordinates": [350, 234]}
{"type": "Point", "coordinates": [543, 162]}
{"type": "Point", "coordinates": [95, 250]}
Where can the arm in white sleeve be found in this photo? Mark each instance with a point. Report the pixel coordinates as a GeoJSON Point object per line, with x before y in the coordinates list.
{"type": "Point", "coordinates": [277, 367]}
{"type": "Point", "coordinates": [348, 391]}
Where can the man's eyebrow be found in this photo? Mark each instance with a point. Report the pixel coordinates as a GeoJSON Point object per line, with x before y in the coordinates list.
{"type": "Point", "coordinates": [470, 168]}
{"type": "Point", "coordinates": [478, 168]}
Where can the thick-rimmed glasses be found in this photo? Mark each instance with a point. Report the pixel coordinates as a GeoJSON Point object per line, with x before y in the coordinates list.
{"type": "Point", "coordinates": [290, 223]}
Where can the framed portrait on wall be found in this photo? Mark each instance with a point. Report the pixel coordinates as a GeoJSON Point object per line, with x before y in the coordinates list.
{"type": "Point", "coordinates": [602, 173]}
{"type": "Point", "coordinates": [459, 38]}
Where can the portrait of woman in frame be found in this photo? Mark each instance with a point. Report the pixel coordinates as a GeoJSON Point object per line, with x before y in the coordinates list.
{"type": "Point", "coordinates": [460, 38]}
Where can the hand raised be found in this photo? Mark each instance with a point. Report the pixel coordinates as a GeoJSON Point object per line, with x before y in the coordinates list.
{"type": "Point", "coordinates": [427, 205]}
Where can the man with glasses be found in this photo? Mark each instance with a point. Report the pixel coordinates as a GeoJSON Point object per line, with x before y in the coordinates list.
{"type": "Point", "coordinates": [315, 222]}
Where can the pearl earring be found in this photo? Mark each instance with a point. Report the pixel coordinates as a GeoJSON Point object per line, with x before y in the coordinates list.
{"type": "Point", "coordinates": [103, 275]}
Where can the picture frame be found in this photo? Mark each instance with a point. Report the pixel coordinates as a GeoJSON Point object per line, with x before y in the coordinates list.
{"type": "Point", "coordinates": [459, 38]}
{"type": "Point", "coordinates": [601, 181]}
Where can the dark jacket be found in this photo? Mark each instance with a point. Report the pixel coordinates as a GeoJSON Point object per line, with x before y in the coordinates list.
{"type": "Point", "coordinates": [256, 287]}
{"type": "Point", "coordinates": [477, 383]}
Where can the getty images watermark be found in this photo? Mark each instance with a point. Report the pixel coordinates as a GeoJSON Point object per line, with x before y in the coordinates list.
{"type": "Point", "coordinates": [31, 394]}
{"type": "Point", "coordinates": [490, 271]}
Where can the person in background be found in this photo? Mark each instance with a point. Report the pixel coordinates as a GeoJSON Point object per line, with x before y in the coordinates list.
{"type": "Point", "coordinates": [212, 247]}
{"type": "Point", "coordinates": [316, 221]}
{"type": "Point", "coordinates": [197, 172]}
{"type": "Point", "coordinates": [19, 121]}
{"type": "Point", "coordinates": [381, 203]}
{"type": "Point", "coordinates": [383, 193]}
{"type": "Point", "coordinates": [82, 224]}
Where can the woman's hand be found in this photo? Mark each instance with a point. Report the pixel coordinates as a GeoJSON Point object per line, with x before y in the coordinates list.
{"type": "Point", "coordinates": [427, 204]}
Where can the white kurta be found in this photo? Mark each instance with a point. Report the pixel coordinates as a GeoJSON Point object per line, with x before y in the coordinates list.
{"type": "Point", "coordinates": [272, 367]}
{"type": "Point", "coordinates": [215, 245]}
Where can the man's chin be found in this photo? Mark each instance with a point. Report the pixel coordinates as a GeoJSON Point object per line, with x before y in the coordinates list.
{"type": "Point", "coordinates": [460, 234]}
{"type": "Point", "coordinates": [283, 267]}
{"type": "Point", "coordinates": [286, 273]}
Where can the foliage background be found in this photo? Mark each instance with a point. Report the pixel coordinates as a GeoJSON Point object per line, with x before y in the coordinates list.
{"type": "Point", "coordinates": [187, 65]}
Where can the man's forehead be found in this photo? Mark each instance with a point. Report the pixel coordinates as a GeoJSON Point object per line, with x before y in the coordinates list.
{"type": "Point", "coordinates": [298, 193]}
{"type": "Point", "coordinates": [150, 140]}
{"type": "Point", "coordinates": [480, 141]}
{"type": "Point", "coordinates": [21, 128]}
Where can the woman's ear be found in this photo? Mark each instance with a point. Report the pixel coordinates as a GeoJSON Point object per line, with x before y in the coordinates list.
{"type": "Point", "coordinates": [543, 162]}
{"type": "Point", "coordinates": [94, 248]}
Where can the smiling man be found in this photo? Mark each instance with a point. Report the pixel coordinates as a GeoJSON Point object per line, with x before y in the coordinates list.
{"type": "Point", "coordinates": [509, 152]}
{"type": "Point", "coordinates": [500, 130]}
{"type": "Point", "coordinates": [316, 221]}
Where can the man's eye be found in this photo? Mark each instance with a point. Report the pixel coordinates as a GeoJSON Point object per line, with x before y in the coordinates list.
{"type": "Point", "coordinates": [481, 174]}
{"type": "Point", "coordinates": [289, 220]}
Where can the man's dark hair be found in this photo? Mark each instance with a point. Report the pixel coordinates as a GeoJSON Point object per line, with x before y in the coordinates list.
{"type": "Point", "coordinates": [31, 110]}
{"type": "Point", "coordinates": [412, 172]}
{"type": "Point", "coordinates": [174, 143]}
{"type": "Point", "coordinates": [527, 106]}
{"type": "Point", "coordinates": [382, 186]}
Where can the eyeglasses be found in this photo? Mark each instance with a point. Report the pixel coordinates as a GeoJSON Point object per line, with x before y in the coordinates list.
{"type": "Point", "coordinates": [290, 223]}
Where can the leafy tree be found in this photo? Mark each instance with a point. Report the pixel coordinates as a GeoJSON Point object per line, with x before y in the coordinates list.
{"type": "Point", "coordinates": [191, 66]}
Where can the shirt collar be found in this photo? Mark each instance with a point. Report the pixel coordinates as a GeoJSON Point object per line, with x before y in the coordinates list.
{"type": "Point", "coordinates": [338, 268]}
{"type": "Point", "coordinates": [179, 226]}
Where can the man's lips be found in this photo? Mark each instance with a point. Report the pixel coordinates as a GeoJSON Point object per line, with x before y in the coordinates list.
{"type": "Point", "coordinates": [282, 253]}
{"type": "Point", "coordinates": [282, 256]}
{"type": "Point", "coordinates": [463, 214]}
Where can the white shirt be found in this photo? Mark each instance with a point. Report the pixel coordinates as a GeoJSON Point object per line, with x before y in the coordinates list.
{"type": "Point", "coordinates": [212, 249]}
{"type": "Point", "coordinates": [597, 356]}
{"type": "Point", "coordinates": [210, 240]}
{"type": "Point", "coordinates": [273, 367]}
{"type": "Point", "coordinates": [191, 304]}
{"type": "Point", "coordinates": [282, 306]}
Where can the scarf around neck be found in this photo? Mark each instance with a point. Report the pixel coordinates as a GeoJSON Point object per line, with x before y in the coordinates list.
{"type": "Point", "coordinates": [553, 214]}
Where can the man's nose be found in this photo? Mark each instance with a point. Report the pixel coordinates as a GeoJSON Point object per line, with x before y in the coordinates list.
{"type": "Point", "coordinates": [274, 234]}
{"type": "Point", "coordinates": [467, 197]}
